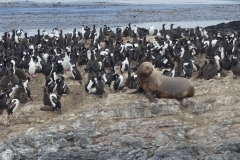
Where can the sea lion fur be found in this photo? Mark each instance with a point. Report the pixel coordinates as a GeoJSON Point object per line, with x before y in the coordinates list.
{"type": "Point", "coordinates": [155, 85]}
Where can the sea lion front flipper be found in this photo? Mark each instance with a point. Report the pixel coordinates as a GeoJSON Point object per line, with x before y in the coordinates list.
{"type": "Point", "coordinates": [151, 98]}
{"type": "Point", "coordinates": [139, 90]}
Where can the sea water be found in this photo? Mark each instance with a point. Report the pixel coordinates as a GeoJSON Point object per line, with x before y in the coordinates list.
{"type": "Point", "coordinates": [190, 13]}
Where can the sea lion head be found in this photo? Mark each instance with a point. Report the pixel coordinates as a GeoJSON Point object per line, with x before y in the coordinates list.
{"type": "Point", "coordinates": [145, 69]}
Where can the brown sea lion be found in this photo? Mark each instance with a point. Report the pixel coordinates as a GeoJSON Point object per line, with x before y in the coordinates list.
{"type": "Point", "coordinates": [157, 85]}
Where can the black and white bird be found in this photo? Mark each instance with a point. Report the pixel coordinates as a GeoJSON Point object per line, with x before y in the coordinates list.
{"type": "Point", "coordinates": [109, 77]}
{"type": "Point", "coordinates": [118, 82]}
{"type": "Point", "coordinates": [26, 88]}
{"type": "Point", "coordinates": [55, 101]}
{"type": "Point", "coordinates": [89, 86]}
{"type": "Point", "coordinates": [59, 67]}
{"type": "Point", "coordinates": [32, 66]}
{"type": "Point", "coordinates": [99, 86]}
{"type": "Point", "coordinates": [51, 83]}
{"type": "Point", "coordinates": [235, 66]}
{"type": "Point", "coordinates": [3, 68]}
{"type": "Point", "coordinates": [4, 98]}
{"type": "Point", "coordinates": [75, 73]}
{"type": "Point", "coordinates": [11, 90]}
{"type": "Point", "coordinates": [12, 106]}
{"type": "Point", "coordinates": [187, 68]}
{"type": "Point", "coordinates": [125, 63]}
{"type": "Point", "coordinates": [61, 87]}
{"type": "Point", "coordinates": [66, 61]}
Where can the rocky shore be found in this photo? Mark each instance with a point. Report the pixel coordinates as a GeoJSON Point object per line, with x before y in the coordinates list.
{"type": "Point", "coordinates": [123, 126]}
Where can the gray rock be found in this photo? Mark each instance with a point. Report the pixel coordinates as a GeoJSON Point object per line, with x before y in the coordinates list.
{"type": "Point", "coordinates": [198, 106]}
{"type": "Point", "coordinates": [25, 151]}
{"type": "Point", "coordinates": [8, 154]}
{"type": "Point", "coordinates": [185, 153]}
{"type": "Point", "coordinates": [62, 143]}
{"type": "Point", "coordinates": [162, 139]}
{"type": "Point", "coordinates": [84, 142]}
{"type": "Point", "coordinates": [130, 141]}
{"type": "Point", "coordinates": [165, 107]}
{"type": "Point", "coordinates": [215, 157]}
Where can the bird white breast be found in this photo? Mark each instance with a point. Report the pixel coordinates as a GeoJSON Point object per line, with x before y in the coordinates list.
{"type": "Point", "coordinates": [38, 64]}
{"type": "Point", "coordinates": [100, 64]}
{"type": "Point", "coordinates": [51, 35]}
{"type": "Point", "coordinates": [185, 64]}
{"type": "Point", "coordinates": [72, 71]}
{"type": "Point", "coordinates": [45, 57]}
{"type": "Point", "coordinates": [32, 67]}
{"type": "Point", "coordinates": [193, 52]}
{"type": "Point", "coordinates": [214, 42]}
{"type": "Point", "coordinates": [13, 91]}
{"type": "Point", "coordinates": [104, 78]}
{"type": "Point", "coordinates": [104, 53]}
{"type": "Point", "coordinates": [173, 72]}
{"type": "Point", "coordinates": [66, 62]}
{"type": "Point", "coordinates": [182, 52]}
{"type": "Point", "coordinates": [51, 97]}
{"type": "Point", "coordinates": [89, 54]}
{"type": "Point", "coordinates": [89, 87]}
{"type": "Point", "coordinates": [128, 45]}
{"type": "Point", "coordinates": [217, 58]}
{"type": "Point", "coordinates": [151, 30]}
{"type": "Point", "coordinates": [165, 61]}
{"type": "Point", "coordinates": [194, 66]}
{"type": "Point", "coordinates": [121, 80]}
{"type": "Point", "coordinates": [25, 84]}
{"type": "Point", "coordinates": [96, 36]}
{"type": "Point", "coordinates": [31, 47]}
{"type": "Point", "coordinates": [16, 104]}
{"type": "Point", "coordinates": [124, 63]}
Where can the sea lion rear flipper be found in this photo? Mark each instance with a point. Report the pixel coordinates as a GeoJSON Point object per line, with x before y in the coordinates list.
{"type": "Point", "coordinates": [139, 90]}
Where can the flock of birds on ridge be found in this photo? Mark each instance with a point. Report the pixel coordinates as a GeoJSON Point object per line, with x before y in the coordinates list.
{"type": "Point", "coordinates": [172, 50]}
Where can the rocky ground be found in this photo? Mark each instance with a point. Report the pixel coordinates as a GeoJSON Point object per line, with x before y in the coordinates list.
{"type": "Point", "coordinates": [126, 126]}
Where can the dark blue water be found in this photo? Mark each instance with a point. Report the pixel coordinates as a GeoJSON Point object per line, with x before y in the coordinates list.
{"type": "Point", "coordinates": [68, 15]}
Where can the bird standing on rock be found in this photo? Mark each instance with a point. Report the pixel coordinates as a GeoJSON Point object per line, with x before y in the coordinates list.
{"type": "Point", "coordinates": [55, 101]}
{"type": "Point", "coordinates": [12, 106]}
{"type": "Point", "coordinates": [26, 88]}
{"type": "Point", "coordinates": [75, 73]}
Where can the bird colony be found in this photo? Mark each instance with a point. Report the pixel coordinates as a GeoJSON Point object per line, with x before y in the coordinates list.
{"type": "Point", "coordinates": [110, 58]}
